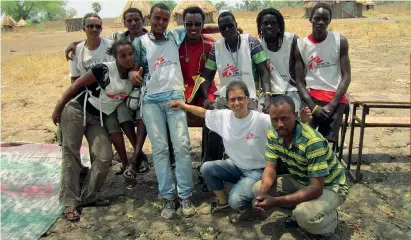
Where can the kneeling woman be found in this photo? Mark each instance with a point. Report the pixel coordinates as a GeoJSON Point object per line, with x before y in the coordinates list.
{"type": "Point", "coordinates": [99, 92]}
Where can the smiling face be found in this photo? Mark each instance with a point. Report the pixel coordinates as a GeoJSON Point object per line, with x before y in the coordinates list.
{"type": "Point", "coordinates": [125, 56]}
{"type": "Point", "coordinates": [159, 21]}
{"type": "Point", "coordinates": [237, 101]}
{"type": "Point", "coordinates": [133, 22]}
{"type": "Point", "coordinates": [193, 24]}
{"type": "Point", "coordinates": [228, 28]}
{"type": "Point", "coordinates": [283, 119]}
{"type": "Point", "coordinates": [93, 28]}
{"type": "Point", "coordinates": [320, 20]}
{"type": "Point", "coordinates": [270, 27]}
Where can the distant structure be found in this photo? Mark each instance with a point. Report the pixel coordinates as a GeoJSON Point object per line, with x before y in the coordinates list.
{"type": "Point", "coordinates": [73, 24]}
{"type": "Point", "coordinates": [208, 8]}
{"type": "Point", "coordinates": [341, 9]}
{"type": "Point", "coordinates": [143, 6]}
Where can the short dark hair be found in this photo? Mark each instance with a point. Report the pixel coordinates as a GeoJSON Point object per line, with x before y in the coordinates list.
{"type": "Point", "coordinates": [159, 5]}
{"type": "Point", "coordinates": [132, 10]}
{"type": "Point", "coordinates": [277, 15]}
{"type": "Point", "coordinates": [194, 10]}
{"type": "Point", "coordinates": [121, 42]}
{"type": "Point", "coordinates": [225, 14]}
{"type": "Point", "coordinates": [237, 85]}
{"type": "Point", "coordinates": [89, 15]}
{"type": "Point", "coordinates": [321, 5]}
{"type": "Point", "coordinates": [281, 99]}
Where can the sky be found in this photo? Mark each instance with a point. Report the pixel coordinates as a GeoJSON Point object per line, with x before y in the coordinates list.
{"type": "Point", "coordinates": [109, 8]}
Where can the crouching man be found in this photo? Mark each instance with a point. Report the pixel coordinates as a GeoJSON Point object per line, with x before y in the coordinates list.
{"type": "Point", "coordinates": [316, 185]}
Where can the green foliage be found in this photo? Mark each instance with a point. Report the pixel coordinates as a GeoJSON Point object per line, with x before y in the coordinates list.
{"type": "Point", "coordinates": [221, 6]}
{"type": "Point", "coordinates": [96, 7]}
{"type": "Point", "coordinates": [38, 10]}
{"type": "Point", "coordinates": [258, 5]}
{"type": "Point", "coordinates": [170, 3]}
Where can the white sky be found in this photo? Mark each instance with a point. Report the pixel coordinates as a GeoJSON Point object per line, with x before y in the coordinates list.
{"type": "Point", "coordinates": [109, 8]}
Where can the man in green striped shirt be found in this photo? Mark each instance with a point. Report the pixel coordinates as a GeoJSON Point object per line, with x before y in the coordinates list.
{"type": "Point", "coordinates": [316, 185]}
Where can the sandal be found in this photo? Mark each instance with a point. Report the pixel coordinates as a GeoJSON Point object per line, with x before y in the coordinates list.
{"type": "Point", "coordinates": [72, 215]}
{"type": "Point", "coordinates": [144, 168]}
{"type": "Point", "coordinates": [217, 207]}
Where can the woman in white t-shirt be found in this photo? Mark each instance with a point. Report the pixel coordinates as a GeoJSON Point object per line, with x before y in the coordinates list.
{"type": "Point", "coordinates": [106, 86]}
{"type": "Point", "coordinates": [244, 134]}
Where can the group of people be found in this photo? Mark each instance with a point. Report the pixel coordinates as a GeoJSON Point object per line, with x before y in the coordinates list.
{"type": "Point", "coordinates": [299, 82]}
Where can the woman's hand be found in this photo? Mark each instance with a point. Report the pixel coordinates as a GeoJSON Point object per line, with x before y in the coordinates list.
{"type": "Point", "coordinates": [56, 116]}
{"type": "Point", "coordinates": [136, 78]}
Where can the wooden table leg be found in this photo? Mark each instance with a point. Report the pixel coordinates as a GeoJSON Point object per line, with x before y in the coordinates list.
{"type": "Point", "coordinates": [352, 124]}
{"type": "Point", "coordinates": [365, 111]}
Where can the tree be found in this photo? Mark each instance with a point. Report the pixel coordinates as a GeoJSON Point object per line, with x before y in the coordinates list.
{"type": "Point", "coordinates": [71, 12]}
{"type": "Point", "coordinates": [221, 5]}
{"type": "Point", "coordinates": [96, 7]}
{"type": "Point", "coordinates": [170, 3]}
{"type": "Point", "coordinates": [36, 10]}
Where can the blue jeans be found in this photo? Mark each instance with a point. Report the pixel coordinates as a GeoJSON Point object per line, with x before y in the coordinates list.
{"type": "Point", "coordinates": [155, 117]}
{"type": "Point", "coordinates": [215, 173]}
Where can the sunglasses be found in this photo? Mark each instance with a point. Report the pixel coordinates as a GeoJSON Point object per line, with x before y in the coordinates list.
{"type": "Point", "coordinates": [97, 26]}
{"type": "Point", "coordinates": [196, 24]}
{"type": "Point", "coordinates": [239, 99]}
{"type": "Point", "coordinates": [223, 27]}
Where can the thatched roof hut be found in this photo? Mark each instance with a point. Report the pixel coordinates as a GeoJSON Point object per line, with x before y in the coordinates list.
{"type": "Point", "coordinates": [340, 9]}
{"type": "Point", "coordinates": [143, 5]}
{"type": "Point", "coordinates": [21, 23]}
{"type": "Point", "coordinates": [208, 8]}
{"type": "Point", "coordinates": [73, 24]}
{"type": "Point", "coordinates": [8, 22]}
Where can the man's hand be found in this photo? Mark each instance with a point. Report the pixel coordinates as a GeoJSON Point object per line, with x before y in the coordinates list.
{"type": "Point", "coordinates": [264, 203]}
{"type": "Point", "coordinates": [135, 77]}
{"type": "Point", "coordinates": [306, 115]}
{"type": "Point", "coordinates": [240, 30]}
{"type": "Point", "coordinates": [176, 105]}
{"type": "Point", "coordinates": [320, 113]}
{"type": "Point", "coordinates": [70, 51]}
{"type": "Point", "coordinates": [56, 116]}
{"type": "Point", "coordinates": [329, 109]}
{"type": "Point", "coordinates": [208, 104]}
{"type": "Point", "coordinates": [266, 104]}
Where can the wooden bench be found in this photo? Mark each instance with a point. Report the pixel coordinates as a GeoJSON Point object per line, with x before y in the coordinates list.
{"type": "Point", "coordinates": [364, 102]}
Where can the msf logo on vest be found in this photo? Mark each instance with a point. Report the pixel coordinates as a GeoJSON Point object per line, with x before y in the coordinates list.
{"type": "Point", "coordinates": [316, 62]}
{"type": "Point", "coordinates": [161, 62]}
{"type": "Point", "coordinates": [232, 71]}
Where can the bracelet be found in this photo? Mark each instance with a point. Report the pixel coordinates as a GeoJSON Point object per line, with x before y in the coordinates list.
{"type": "Point", "coordinates": [315, 108]}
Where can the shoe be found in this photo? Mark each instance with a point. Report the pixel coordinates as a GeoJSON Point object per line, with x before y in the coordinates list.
{"type": "Point", "coordinates": [169, 209]}
{"type": "Point", "coordinates": [241, 216]}
{"type": "Point", "coordinates": [290, 223]}
{"type": "Point", "coordinates": [217, 207]}
{"type": "Point", "coordinates": [187, 207]}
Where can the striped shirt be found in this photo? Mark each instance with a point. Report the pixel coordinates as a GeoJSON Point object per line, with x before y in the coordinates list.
{"type": "Point", "coordinates": [308, 156]}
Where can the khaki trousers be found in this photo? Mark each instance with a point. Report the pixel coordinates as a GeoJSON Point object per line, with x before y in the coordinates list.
{"type": "Point", "coordinates": [101, 155]}
{"type": "Point", "coordinates": [317, 216]}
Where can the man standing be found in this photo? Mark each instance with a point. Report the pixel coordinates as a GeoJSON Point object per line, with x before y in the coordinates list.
{"type": "Point", "coordinates": [236, 57]}
{"type": "Point", "coordinates": [279, 46]}
{"type": "Point", "coordinates": [328, 75]}
{"type": "Point", "coordinates": [316, 185]}
{"type": "Point", "coordinates": [163, 81]}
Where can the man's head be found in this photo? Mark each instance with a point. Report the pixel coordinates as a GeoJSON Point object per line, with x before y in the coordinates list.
{"type": "Point", "coordinates": [320, 18]}
{"type": "Point", "coordinates": [228, 26]}
{"type": "Point", "coordinates": [92, 25]}
{"type": "Point", "coordinates": [133, 20]}
{"type": "Point", "coordinates": [270, 24]}
{"type": "Point", "coordinates": [237, 97]}
{"type": "Point", "coordinates": [159, 18]}
{"type": "Point", "coordinates": [283, 115]}
{"type": "Point", "coordinates": [194, 18]}
{"type": "Point", "coordinates": [123, 51]}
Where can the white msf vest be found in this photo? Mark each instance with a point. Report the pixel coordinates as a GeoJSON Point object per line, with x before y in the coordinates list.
{"type": "Point", "coordinates": [164, 66]}
{"type": "Point", "coordinates": [230, 71]}
{"type": "Point", "coordinates": [114, 93]}
{"type": "Point", "coordinates": [322, 61]}
{"type": "Point", "coordinates": [279, 67]}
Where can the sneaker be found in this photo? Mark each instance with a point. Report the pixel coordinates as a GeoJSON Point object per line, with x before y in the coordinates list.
{"type": "Point", "coordinates": [216, 207]}
{"type": "Point", "coordinates": [290, 223]}
{"type": "Point", "coordinates": [187, 207]}
{"type": "Point", "coordinates": [169, 209]}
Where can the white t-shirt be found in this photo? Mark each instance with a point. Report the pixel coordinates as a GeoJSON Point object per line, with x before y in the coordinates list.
{"type": "Point", "coordinates": [244, 139]}
{"type": "Point", "coordinates": [85, 59]}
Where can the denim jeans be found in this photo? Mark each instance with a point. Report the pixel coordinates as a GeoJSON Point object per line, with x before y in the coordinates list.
{"type": "Point", "coordinates": [215, 173]}
{"type": "Point", "coordinates": [155, 117]}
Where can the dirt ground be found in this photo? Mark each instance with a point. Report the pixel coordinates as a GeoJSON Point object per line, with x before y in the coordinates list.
{"type": "Point", "coordinates": [377, 208]}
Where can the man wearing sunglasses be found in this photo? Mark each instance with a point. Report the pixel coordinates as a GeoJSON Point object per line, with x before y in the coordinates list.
{"type": "Point", "coordinates": [236, 57]}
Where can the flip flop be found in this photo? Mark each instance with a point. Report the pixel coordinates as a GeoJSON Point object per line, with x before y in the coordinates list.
{"type": "Point", "coordinates": [72, 215]}
{"type": "Point", "coordinates": [130, 175]}
{"type": "Point", "coordinates": [144, 168]}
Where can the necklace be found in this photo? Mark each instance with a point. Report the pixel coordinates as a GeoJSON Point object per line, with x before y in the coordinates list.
{"type": "Point", "coordinates": [202, 56]}
{"type": "Point", "coordinates": [236, 55]}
